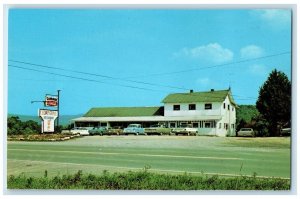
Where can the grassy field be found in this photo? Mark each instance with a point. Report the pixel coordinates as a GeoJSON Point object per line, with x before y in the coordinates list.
{"type": "Point", "coordinates": [230, 156]}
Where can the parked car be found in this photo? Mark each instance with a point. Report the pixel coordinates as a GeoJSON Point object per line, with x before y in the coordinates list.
{"type": "Point", "coordinates": [135, 129]}
{"type": "Point", "coordinates": [99, 130]}
{"type": "Point", "coordinates": [185, 130]}
{"type": "Point", "coordinates": [285, 132]}
{"type": "Point", "coordinates": [116, 130]}
{"type": "Point", "coordinates": [157, 129]}
{"type": "Point", "coordinates": [244, 132]}
{"type": "Point", "coordinates": [80, 131]}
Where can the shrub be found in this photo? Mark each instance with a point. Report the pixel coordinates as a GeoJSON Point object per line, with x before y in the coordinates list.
{"type": "Point", "coordinates": [144, 180]}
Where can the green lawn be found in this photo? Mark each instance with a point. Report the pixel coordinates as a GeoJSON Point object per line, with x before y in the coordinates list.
{"type": "Point", "coordinates": [230, 156]}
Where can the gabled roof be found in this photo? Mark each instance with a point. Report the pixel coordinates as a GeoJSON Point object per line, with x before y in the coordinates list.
{"type": "Point", "coordinates": [125, 111]}
{"type": "Point", "coordinates": [209, 96]}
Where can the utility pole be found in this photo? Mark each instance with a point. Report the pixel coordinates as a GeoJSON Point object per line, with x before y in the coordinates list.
{"type": "Point", "coordinates": [58, 108]}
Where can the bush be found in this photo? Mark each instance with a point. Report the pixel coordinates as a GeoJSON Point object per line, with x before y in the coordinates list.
{"type": "Point", "coordinates": [16, 127]}
{"type": "Point", "coordinates": [144, 180]}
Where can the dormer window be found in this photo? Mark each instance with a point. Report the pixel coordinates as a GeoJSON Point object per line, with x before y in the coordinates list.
{"type": "Point", "coordinates": [176, 107]}
{"type": "Point", "coordinates": [207, 106]}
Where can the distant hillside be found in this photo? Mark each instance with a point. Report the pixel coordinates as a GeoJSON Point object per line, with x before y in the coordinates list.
{"type": "Point", "coordinates": [63, 119]}
{"type": "Point", "coordinates": [246, 112]}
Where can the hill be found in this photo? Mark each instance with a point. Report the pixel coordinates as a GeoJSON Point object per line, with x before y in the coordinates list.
{"type": "Point", "coordinates": [63, 119]}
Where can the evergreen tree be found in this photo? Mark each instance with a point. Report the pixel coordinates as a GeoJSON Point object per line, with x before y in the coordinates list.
{"type": "Point", "coordinates": [274, 102]}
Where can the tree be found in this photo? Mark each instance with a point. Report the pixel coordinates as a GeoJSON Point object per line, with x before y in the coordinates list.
{"type": "Point", "coordinates": [16, 127]}
{"type": "Point", "coordinates": [274, 102]}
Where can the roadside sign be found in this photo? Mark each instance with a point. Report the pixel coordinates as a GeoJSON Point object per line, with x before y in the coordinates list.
{"type": "Point", "coordinates": [51, 100]}
{"type": "Point", "coordinates": [48, 117]}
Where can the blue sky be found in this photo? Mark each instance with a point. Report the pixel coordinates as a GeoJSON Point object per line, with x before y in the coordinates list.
{"type": "Point", "coordinates": [176, 50]}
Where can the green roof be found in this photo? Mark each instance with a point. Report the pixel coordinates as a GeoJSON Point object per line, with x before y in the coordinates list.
{"type": "Point", "coordinates": [125, 111]}
{"type": "Point", "coordinates": [209, 96]}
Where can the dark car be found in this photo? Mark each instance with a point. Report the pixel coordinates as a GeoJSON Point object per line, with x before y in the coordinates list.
{"type": "Point", "coordinates": [97, 130]}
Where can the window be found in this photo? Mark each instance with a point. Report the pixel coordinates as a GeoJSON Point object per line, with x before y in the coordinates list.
{"type": "Point", "coordinates": [232, 126]}
{"type": "Point", "coordinates": [176, 107]}
{"type": "Point", "coordinates": [172, 125]}
{"type": "Point", "coordinates": [195, 125]}
{"type": "Point", "coordinates": [192, 106]}
{"type": "Point", "coordinates": [228, 107]}
{"type": "Point", "coordinates": [220, 125]}
{"type": "Point", "coordinates": [103, 124]}
{"type": "Point", "coordinates": [232, 108]}
{"type": "Point", "coordinates": [224, 105]}
{"type": "Point", "coordinates": [207, 125]}
{"type": "Point", "coordinates": [225, 126]}
{"type": "Point", "coordinates": [207, 106]}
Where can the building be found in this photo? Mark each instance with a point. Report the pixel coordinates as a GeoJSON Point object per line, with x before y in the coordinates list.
{"type": "Point", "coordinates": [212, 112]}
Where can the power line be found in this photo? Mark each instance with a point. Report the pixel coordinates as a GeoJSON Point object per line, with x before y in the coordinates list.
{"type": "Point", "coordinates": [80, 78]}
{"type": "Point", "coordinates": [91, 80]}
{"type": "Point", "coordinates": [157, 74]}
{"type": "Point", "coordinates": [214, 66]}
{"type": "Point", "coordinates": [98, 75]}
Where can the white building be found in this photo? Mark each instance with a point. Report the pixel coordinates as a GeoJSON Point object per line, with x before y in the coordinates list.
{"type": "Point", "coordinates": [212, 112]}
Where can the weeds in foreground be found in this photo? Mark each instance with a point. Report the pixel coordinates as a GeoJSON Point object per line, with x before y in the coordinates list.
{"type": "Point", "coordinates": [144, 180]}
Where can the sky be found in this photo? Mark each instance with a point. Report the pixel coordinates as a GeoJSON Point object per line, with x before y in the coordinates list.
{"type": "Point", "coordinates": [121, 58]}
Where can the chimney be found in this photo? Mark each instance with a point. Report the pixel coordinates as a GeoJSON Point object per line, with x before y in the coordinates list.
{"type": "Point", "coordinates": [212, 90]}
{"type": "Point", "coordinates": [191, 91]}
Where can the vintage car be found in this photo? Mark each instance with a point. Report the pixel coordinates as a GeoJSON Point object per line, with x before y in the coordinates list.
{"type": "Point", "coordinates": [97, 130]}
{"type": "Point", "coordinates": [185, 130]}
{"type": "Point", "coordinates": [285, 132]}
{"type": "Point", "coordinates": [245, 132]}
{"type": "Point", "coordinates": [135, 129]}
{"type": "Point", "coordinates": [157, 129]}
{"type": "Point", "coordinates": [116, 130]}
{"type": "Point", "coordinates": [80, 131]}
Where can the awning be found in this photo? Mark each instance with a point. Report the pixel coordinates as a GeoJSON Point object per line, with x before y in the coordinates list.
{"type": "Point", "coordinates": [147, 118]}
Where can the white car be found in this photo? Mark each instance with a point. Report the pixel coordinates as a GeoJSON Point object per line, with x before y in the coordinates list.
{"type": "Point", "coordinates": [185, 130]}
{"type": "Point", "coordinates": [245, 132]}
{"type": "Point", "coordinates": [80, 131]}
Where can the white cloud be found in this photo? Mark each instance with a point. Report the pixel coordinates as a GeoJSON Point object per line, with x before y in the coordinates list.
{"type": "Point", "coordinates": [258, 69]}
{"type": "Point", "coordinates": [251, 51]}
{"type": "Point", "coordinates": [212, 52]}
{"type": "Point", "coordinates": [277, 18]}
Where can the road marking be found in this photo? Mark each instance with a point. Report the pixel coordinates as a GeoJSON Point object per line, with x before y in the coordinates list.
{"type": "Point", "coordinates": [135, 168]}
{"type": "Point", "coordinates": [136, 154]}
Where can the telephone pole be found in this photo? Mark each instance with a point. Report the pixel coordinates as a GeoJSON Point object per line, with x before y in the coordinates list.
{"type": "Point", "coordinates": [58, 108]}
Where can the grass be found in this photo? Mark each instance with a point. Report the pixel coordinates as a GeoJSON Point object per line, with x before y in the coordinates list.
{"type": "Point", "coordinates": [144, 180]}
{"type": "Point", "coordinates": [175, 155]}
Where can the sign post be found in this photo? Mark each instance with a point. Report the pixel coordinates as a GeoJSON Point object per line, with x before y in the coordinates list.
{"type": "Point", "coordinates": [48, 117]}
{"type": "Point", "coordinates": [53, 101]}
